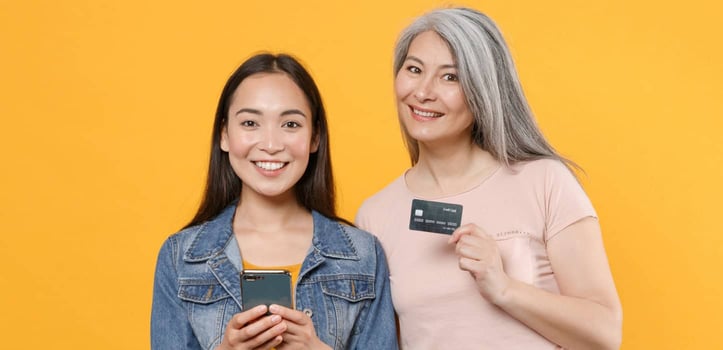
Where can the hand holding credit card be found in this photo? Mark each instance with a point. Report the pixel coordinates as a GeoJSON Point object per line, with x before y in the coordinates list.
{"type": "Point", "coordinates": [437, 217]}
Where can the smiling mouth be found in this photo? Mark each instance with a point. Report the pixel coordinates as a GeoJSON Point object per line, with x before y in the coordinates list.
{"type": "Point", "coordinates": [425, 114]}
{"type": "Point", "coordinates": [270, 166]}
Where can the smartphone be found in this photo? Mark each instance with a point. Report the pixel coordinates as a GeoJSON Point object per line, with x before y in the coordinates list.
{"type": "Point", "coordinates": [265, 287]}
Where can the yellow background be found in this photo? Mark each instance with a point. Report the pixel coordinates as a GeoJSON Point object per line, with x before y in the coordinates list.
{"type": "Point", "coordinates": [107, 107]}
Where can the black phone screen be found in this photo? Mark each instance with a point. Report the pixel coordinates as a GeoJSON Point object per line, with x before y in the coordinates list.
{"type": "Point", "coordinates": [265, 287]}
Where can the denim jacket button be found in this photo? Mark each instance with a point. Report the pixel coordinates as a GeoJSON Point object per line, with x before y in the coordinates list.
{"type": "Point", "coordinates": [308, 312]}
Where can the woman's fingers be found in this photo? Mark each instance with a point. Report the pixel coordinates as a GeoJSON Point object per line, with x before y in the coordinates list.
{"type": "Point", "coordinates": [252, 330]}
{"type": "Point", "coordinates": [240, 319]}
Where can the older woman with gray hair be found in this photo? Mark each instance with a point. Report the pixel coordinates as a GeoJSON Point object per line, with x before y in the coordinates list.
{"type": "Point", "coordinates": [492, 242]}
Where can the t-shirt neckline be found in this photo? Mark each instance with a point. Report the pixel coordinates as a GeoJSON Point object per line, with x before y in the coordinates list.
{"type": "Point", "coordinates": [484, 180]}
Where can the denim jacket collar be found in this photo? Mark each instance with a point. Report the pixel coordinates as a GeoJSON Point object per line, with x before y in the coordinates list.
{"type": "Point", "coordinates": [212, 236]}
{"type": "Point", "coordinates": [329, 240]}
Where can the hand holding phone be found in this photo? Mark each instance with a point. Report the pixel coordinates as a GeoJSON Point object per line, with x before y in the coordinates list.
{"type": "Point", "coordinates": [249, 328]}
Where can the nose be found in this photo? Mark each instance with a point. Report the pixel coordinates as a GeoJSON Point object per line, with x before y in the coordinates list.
{"type": "Point", "coordinates": [271, 140]}
{"type": "Point", "coordinates": [424, 91]}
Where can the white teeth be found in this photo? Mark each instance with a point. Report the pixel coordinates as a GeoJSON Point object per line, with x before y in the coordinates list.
{"type": "Point", "coordinates": [427, 114]}
{"type": "Point", "coordinates": [270, 165]}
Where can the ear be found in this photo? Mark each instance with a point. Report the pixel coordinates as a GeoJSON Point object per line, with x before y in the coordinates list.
{"type": "Point", "coordinates": [315, 142]}
{"type": "Point", "coordinates": [224, 139]}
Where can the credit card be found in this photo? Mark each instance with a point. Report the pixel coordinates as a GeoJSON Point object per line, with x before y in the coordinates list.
{"type": "Point", "coordinates": [437, 217]}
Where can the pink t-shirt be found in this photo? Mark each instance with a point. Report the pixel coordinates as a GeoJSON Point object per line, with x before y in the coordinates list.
{"type": "Point", "coordinates": [438, 305]}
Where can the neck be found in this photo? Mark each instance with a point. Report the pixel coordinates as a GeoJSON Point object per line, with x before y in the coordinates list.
{"type": "Point", "coordinates": [274, 231]}
{"type": "Point", "coordinates": [271, 215]}
{"type": "Point", "coordinates": [450, 168]}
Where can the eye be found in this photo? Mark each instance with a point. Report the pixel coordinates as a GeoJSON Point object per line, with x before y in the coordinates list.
{"type": "Point", "coordinates": [291, 124]}
{"type": "Point", "coordinates": [414, 69]}
{"type": "Point", "coordinates": [450, 77]}
{"type": "Point", "coordinates": [249, 124]}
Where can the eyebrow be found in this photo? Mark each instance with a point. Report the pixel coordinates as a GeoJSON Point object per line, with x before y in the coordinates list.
{"type": "Point", "coordinates": [444, 66]}
{"type": "Point", "coordinates": [248, 110]}
{"type": "Point", "coordinates": [293, 111]}
{"type": "Point", "coordinates": [258, 112]}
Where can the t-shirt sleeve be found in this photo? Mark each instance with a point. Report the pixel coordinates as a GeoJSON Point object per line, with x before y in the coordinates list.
{"type": "Point", "coordinates": [373, 215]}
{"type": "Point", "coordinates": [566, 201]}
{"type": "Point", "coordinates": [362, 218]}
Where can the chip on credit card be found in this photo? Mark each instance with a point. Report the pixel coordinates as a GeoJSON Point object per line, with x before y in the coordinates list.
{"type": "Point", "coordinates": [437, 217]}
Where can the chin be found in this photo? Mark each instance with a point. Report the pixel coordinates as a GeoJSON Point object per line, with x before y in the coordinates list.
{"type": "Point", "coordinates": [424, 135]}
{"type": "Point", "coordinates": [269, 192]}
{"type": "Point", "coordinates": [275, 193]}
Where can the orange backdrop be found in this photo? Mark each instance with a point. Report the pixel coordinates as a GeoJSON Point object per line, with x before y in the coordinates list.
{"type": "Point", "coordinates": [107, 107]}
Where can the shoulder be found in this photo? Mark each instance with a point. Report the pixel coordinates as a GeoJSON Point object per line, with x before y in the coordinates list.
{"type": "Point", "coordinates": [385, 198]}
{"type": "Point", "coordinates": [178, 242]}
{"type": "Point", "coordinates": [345, 248]}
{"type": "Point", "coordinates": [541, 167]}
{"type": "Point", "coordinates": [336, 236]}
{"type": "Point", "coordinates": [338, 240]}
{"type": "Point", "coordinates": [369, 253]}
{"type": "Point", "coordinates": [361, 239]}
{"type": "Point", "coordinates": [170, 256]}
{"type": "Point", "coordinates": [547, 174]}
{"type": "Point", "coordinates": [186, 235]}
{"type": "Point", "coordinates": [541, 173]}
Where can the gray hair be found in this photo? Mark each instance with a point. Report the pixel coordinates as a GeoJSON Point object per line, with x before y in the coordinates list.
{"type": "Point", "coordinates": [503, 122]}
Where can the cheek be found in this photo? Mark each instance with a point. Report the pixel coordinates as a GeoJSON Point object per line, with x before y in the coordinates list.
{"type": "Point", "coordinates": [454, 98]}
{"type": "Point", "coordinates": [402, 86]}
{"type": "Point", "coordinates": [239, 145]}
{"type": "Point", "coordinates": [301, 145]}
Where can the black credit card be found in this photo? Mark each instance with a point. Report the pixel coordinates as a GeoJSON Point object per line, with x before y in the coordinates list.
{"type": "Point", "coordinates": [435, 217]}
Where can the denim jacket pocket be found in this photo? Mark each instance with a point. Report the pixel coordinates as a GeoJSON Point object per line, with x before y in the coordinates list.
{"type": "Point", "coordinates": [209, 308]}
{"type": "Point", "coordinates": [201, 291]}
{"type": "Point", "coordinates": [351, 288]}
{"type": "Point", "coordinates": [345, 299]}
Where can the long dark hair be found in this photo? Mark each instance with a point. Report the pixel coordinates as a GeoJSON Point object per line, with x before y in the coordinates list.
{"type": "Point", "coordinates": [315, 189]}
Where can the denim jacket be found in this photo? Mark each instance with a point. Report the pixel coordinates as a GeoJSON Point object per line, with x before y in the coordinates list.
{"type": "Point", "coordinates": [343, 285]}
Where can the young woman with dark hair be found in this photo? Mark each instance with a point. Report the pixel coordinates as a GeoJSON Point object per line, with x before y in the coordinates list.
{"type": "Point", "coordinates": [269, 204]}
